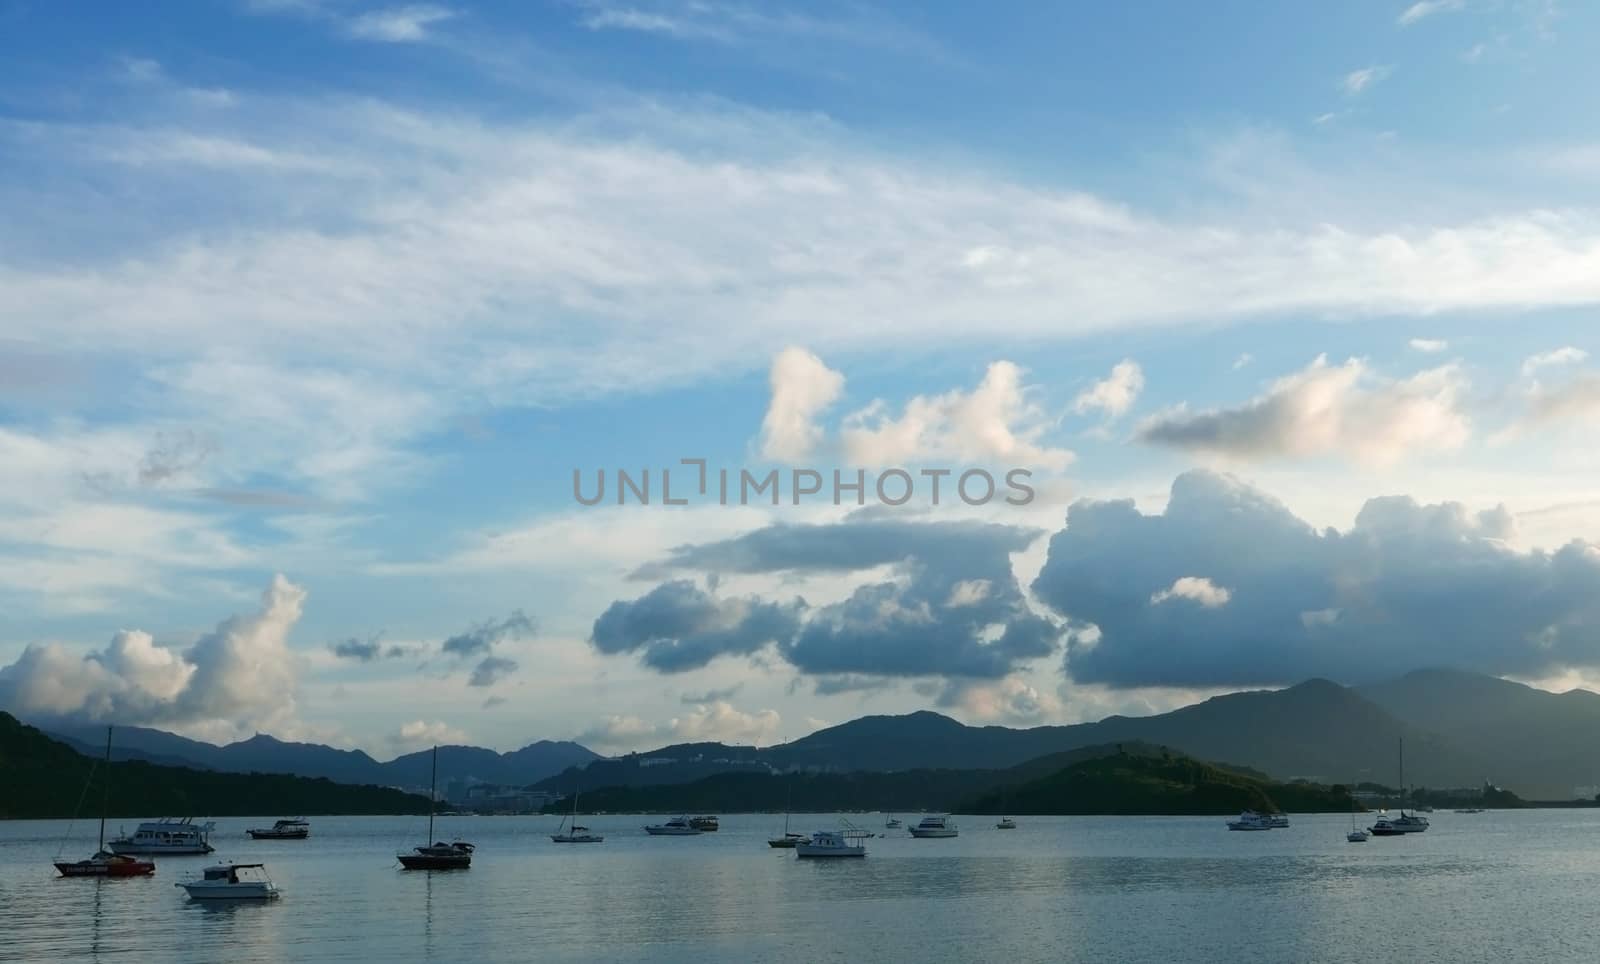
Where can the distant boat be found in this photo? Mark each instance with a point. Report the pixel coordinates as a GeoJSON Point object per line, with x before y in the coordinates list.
{"type": "Point", "coordinates": [440, 855]}
{"type": "Point", "coordinates": [105, 863]}
{"type": "Point", "coordinates": [833, 843]}
{"type": "Point", "coordinates": [1406, 822]}
{"type": "Point", "coordinates": [676, 827]}
{"type": "Point", "coordinates": [167, 836]}
{"type": "Point", "coordinates": [1279, 821]}
{"type": "Point", "coordinates": [1470, 810]}
{"type": "Point", "coordinates": [1250, 820]}
{"type": "Point", "coordinates": [935, 827]}
{"type": "Point", "coordinates": [1356, 834]}
{"type": "Point", "coordinates": [1006, 823]}
{"type": "Point", "coordinates": [893, 823]}
{"type": "Point", "coordinates": [294, 829]}
{"type": "Point", "coordinates": [575, 834]}
{"type": "Point", "coordinates": [789, 840]}
{"type": "Point", "coordinates": [231, 882]}
{"type": "Point", "coordinates": [708, 824]}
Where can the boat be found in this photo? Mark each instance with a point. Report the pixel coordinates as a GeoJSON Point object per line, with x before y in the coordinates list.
{"type": "Point", "coordinates": [893, 823]}
{"type": "Point", "coordinates": [833, 843]}
{"type": "Point", "coordinates": [575, 833]}
{"type": "Point", "coordinates": [1279, 821]}
{"type": "Point", "coordinates": [1250, 820]}
{"type": "Point", "coordinates": [935, 827]}
{"type": "Point", "coordinates": [1006, 823]}
{"type": "Point", "coordinates": [1406, 822]}
{"type": "Point", "coordinates": [167, 836]}
{"type": "Point", "coordinates": [1470, 810]}
{"type": "Point", "coordinates": [1356, 834]}
{"type": "Point", "coordinates": [707, 824]}
{"type": "Point", "coordinates": [676, 827]}
{"type": "Point", "coordinates": [295, 829]}
{"type": "Point", "coordinates": [788, 841]}
{"type": "Point", "coordinates": [456, 855]}
{"type": "Point", "coordinates": [104, 863]}
{"type": "Point", "coordinates": [231, 882]}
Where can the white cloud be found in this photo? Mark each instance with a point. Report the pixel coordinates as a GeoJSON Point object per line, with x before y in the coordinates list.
{"type": "Point", "coordinates": [1429, 346]}
{"type": "Point", "coordinates": [1115, 393]}
{"type": "Point", "coordinates": [1427, 8]}
{"type": "Point", "coordinates": [422, 734]}
{"type": "Point", "coordinates": [716, 721]}
{"type": "Point", "coordinates": [1344, 410]}
{"type": "Point", "coordinates": [802, 388]}
{"type": "Point", "coordinates": [407, 24]}
{"type": "Point", "coordinates": [994, 422]}
{"type": "Point", "coordinates": [1196, 589]}
{"type": "Point", "coordinates": [238, 678]}
{"type": "Point", "coordinates": [1567, 355]}
{"type": "Point", "coordinates": [1243, 360]}
{"type": "Point", "coordinates": [1357, 81]}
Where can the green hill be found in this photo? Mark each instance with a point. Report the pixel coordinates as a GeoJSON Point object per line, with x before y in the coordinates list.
{"type": "Point", "coordinates": [40, 777]}
{"type": "Point", "coordinates": [1140, 779]}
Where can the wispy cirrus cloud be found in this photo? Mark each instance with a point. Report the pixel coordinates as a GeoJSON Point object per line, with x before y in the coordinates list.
{"type": "Point", "coordinates": [1423, 9]}
{"type": "Point", "coordinates": [1360, 80]}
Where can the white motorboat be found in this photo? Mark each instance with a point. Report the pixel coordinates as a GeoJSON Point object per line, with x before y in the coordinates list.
{"type": "Point", "coordinates": [1357, 836]}
{"type": "Point", "coordinates": [834, 843]}
{"type": "Point", "coordinates": [231, 882]}
{"type": "Point", "coordinates": [1279, 821]}
{"type": "Point", "coordinates": [676, 827]}
{"type": "Point", "coordinates": [1006, 823]}
{"type": "Point", "coordinates": [1399, 826]}
{"type": "Point", "coordinates": [295, 829]}
{"type": "Point", "coordinates": [166, 836]}
{"type": "Point", "coordinates": [935, 827]}
{"type": "Point", "coordinates": [1250, 820]}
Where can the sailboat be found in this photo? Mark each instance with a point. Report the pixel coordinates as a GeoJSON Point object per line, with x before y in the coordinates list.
{"type": "Point", "coordinates": [1406, 822]}
{"type": "Point", "coordinates": [789, 840]}
{"type": "Point", "coordinates": [104, 863]}
{"type": "Point", "coordinates": [456, 855]}
{"type": "Point", "coordinates": [575, 834]}
{"type": "Point", "coordinates": [1356, 834]}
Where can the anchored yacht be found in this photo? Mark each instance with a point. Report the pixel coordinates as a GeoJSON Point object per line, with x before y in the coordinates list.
{"type": "Point", "coordinates": [231, 882]}
{"type": "Point", "coordinates": [166, 836]}
{"type": "Point", "coordinates": [935, 827]}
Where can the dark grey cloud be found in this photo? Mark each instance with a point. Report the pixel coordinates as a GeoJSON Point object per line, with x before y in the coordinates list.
{"type": "Point", "coordinates": [174, 455]}
{"type": "Point", "coordinates": [369, 650]}
{"type": "Point", "coordinates": [1408, 586]}
{"type": "Point", "coordinates": [482, 638]}
{"type": "Point", "coordinates": [955, 608]}
{"type": "Point", "coordinates": [491, 670]}
{"type": "Point", "coordinates": [678, 626]}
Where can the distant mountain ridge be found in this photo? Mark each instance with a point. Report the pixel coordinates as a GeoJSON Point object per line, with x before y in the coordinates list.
{"type": "Point", "coordinates": [267, 754]}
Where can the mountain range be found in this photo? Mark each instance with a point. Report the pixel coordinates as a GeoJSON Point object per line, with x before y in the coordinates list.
{"type": "Point", "coordinates": [1459, 730]}
{"type": "Point", "coordinates": [266, 754]}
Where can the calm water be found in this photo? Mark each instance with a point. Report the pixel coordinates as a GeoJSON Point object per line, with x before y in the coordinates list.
{"type": "Point", "coordinates": [1486, 887]}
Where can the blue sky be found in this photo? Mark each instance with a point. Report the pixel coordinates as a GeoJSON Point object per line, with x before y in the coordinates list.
{"type": "Point", "coordinates": [345, 291]}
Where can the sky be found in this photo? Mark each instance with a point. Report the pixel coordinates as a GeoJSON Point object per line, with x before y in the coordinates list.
{"type": "Point", "coordinates": [320, 321]}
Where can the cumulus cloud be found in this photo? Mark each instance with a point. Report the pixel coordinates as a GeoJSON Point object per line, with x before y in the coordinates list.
{"type": "Point", "coordinates": [1010, 702]}
{"type": "Point", "coordinates": [421, 734]}
{"type": "Point", "coordinates": [1115, 393]}
{"type": "Point", "coordinates": [238, 677]}
{"type": "Point", "coordinates": [1196, 589]}
{"type": "Point", "coordinates": [482, 638]}
{"type": "Point", "coordinates": [491, 670]}
{"type": "Point", "coordinates": [1345, 410]}
{"type": "Point", "coordinates": [953, 607]}
{"type": "Point", "coordinates": [995, 422]}
{"type": "Point", "coordinates": [1566, 355]}
{"type": "Point", "coordinates": [1578, 399]}
{"type": "Point", "coordinates": [717, 721]}
{"type": "Point", "coordinates": [802, 388]}
{"type": "Point", "coordinates": [1406, 586]}
{"type": "Point", "coordinates": [678, 626]}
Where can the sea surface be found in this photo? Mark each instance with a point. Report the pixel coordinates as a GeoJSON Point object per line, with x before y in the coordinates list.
{"type": "Point", "coordinates": [1499, 886]}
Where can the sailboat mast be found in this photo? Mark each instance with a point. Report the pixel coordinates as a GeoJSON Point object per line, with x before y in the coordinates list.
{"type": "Point", "coordinates": [433, 792]}
{"type": "Point", "coordinates": [1402, 776]}
{"type": "Point", "coordinates": [105, 798]}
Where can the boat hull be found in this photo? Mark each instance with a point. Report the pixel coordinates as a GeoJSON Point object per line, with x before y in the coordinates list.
{"type": "Point", "coordinates": [783, 843]}
{"type": "Point", "coordinates": [106, 868]}
{"type": "Point", "coordinates": [435, 861]}
{"type": "Point", "coordinates": [672, 832]}
{"type": "Point", "coordinates": [933, 834]}
{"type": "Point", "coordinates": [808, 852]}
{"type": "Point", "coordinates": [278, 834]}
{"type": "Point", "coordinates": [251, 891]}
{"type": "Point", "coordinates": [131, 849]}
{"type": "Point", "coordinates": [576, 838]}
